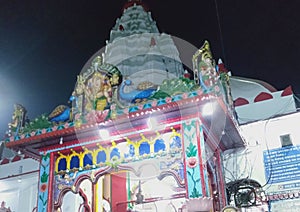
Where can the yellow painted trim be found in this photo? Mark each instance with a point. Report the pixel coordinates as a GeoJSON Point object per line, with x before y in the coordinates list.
{"type": "Point", "coordinates": [58, 160]}
{"type": "Point", "coordinates": [106, 150]}
{"type": "Point", "coordinates": [152, 142]}
{"type": "Point", "coordinates": [96, 153]}
{"type": "Point", "coordinates": [96, 197]}
{"type": "Point", "coordinates": [174, 134]}
{"type": "Point", "coordinates": [135, 145]}
{"type": "Point", "coordinates": [75, 154]}
{"type": "Point", "coordinates": [85, 152]}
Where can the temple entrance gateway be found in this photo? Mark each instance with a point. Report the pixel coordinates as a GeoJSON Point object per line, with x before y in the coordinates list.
{"type": "Point", "coordinates": [132, 141]}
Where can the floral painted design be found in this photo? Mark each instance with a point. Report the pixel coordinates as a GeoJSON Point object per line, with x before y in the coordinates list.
{"type": "Point", "coordinates": [44, 201]}
{"type": "Point", "coordinates": [43, 187]}
{"type": "Point", "coordinates": [191, 150]}
{"type": "Point", "coordinates": [44, 176]}
{"type": "Point", "coordinates": [195, 192]}
{"type": "Point", "coordinates": [191, 153]}
{"type": "Point", "coordinates": [192, 162]}
{"type": "Point", "coordinates": [114, 162]}
{"type": "Point", "coordinates": [44, 179]}
{"type": "Point", "coordinates": [97, 116]}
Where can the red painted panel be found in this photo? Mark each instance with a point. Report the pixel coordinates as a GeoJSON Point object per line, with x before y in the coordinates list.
{"type": "Point", "coordinates": [240, 101]}
{"type": "Point", "coordinates": [16, 158]}
{"type": "Point", "coordinates": [263, 96]}
{"type": "Point", "coordinates": [118, 193]}
{"type": "Point", "coordinates": [4, 161]}
{"type": "Point", "coordinates": [288, 91]}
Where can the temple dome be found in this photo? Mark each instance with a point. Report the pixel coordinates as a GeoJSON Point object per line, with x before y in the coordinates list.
{"type": "Point", "coordinates": [139, 50]}
{"type": "Point", "coordinates": [135, 20]}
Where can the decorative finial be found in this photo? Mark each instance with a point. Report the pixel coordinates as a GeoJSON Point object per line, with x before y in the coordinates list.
{"type": "Point", "coordinates": [206, 52]}
{"type": "Point", "coordinates": [97, 62]}
{"type": "Point", "coordinates": [222, 68]}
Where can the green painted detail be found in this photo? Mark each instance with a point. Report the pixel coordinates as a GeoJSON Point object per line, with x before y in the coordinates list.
{"type": "Point", "coordinates": [43, 199]}
{"type": "Point", "coordinates": [44, 180]}
{"type": "Point", "coordinates": [40, 122]}
{"type": "Point", "coordinates": [192, 160]}
{"type": "Point", "coordinates": [191, 150]}
{"type": "Point", "coordinates": [195, 193]}
{"type": "Point", "coordinates": [171, 87]}
{"type": "Point", "coordinates": [114, 162]}
{"type": "Point", "coordinates": [46, 156]}
{"type": "Point", "coordinates": [44, 177]}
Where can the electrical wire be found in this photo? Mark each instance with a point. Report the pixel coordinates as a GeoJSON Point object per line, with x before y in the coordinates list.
{"type": "Point", "coordinates": [268, 150]}
{"type": "Point", "coordinates": [267, 120]}
{"type": "Point", "coordinates": [221, 34]}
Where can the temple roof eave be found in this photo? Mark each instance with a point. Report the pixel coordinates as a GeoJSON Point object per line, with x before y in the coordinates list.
{"type": "Point", "coordinates": [223, 133]}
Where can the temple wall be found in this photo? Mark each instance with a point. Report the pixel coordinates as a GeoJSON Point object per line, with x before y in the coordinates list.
{"type": "Point", "coordinates": [271, 155]}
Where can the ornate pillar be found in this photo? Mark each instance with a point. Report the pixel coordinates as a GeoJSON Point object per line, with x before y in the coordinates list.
{"type": "Point", "coordinates": [95, 197]}
{"type": "Point", "coordinates": [196, 180]}
{"type": "Point", "coordinates": [45, 190]}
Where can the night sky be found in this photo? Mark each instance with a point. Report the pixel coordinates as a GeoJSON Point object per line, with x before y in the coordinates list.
{"type": "Point", "coordinates": [45, 44]}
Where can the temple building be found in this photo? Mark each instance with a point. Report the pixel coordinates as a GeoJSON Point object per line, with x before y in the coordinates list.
{"type": "Point", "coordinates": [145, 132]}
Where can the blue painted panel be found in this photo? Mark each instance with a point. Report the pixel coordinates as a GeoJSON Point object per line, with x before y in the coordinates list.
{"type": "Point", "coordinates": [282, 164]}
{"type": "Point", "coordinates": [131, 152]}
{"type": "Point", "coordinates": [115, 153]}
{"type": "Point", "coordinates": [74, 162]}
{"type": "Point", "coordinates": [144, 148]}
{"type": "Point", "coordinates": [62, 164]}
{"type": "Point", "coordinates": [176, 142]}
{"type": "Point", "coordinates": [88, 159]}
{"type": "Point", "coordinates": [101, 157]}
{"type": "Point", "coordinates": [159, 145]}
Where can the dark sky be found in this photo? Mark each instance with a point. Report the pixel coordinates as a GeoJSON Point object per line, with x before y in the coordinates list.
{"type": "Point", "coordinates": [45, 44]}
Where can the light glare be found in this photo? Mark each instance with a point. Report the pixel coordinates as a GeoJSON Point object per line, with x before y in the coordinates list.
{"type": "Point", "coordinates": [208, 109]}
{"type": "Point", "coordinates": [152, 123]}
{"type": "Point", "coordinates": [104, 134]}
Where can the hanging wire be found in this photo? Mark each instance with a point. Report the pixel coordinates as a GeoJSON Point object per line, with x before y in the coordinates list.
{"type": "Point", "coordinates": [267, 120]}
{"type": "Point", "coordinates": [268, 150]}
{"type": "Point", "coordinates": [221, 34]}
